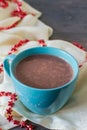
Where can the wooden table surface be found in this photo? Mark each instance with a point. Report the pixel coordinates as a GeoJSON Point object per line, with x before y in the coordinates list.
{"type": "Point", "coordinates": [68, 18]}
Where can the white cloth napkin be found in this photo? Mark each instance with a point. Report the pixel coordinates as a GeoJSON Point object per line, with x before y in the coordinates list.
{"type": "Point", "coordinates": [73, 116]}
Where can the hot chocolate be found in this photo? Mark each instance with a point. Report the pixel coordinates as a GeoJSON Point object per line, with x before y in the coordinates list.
{"type": "Point", "coordinates": [43, 71]}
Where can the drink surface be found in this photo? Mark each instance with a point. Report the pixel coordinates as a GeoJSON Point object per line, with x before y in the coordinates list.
{"type": "Point", "coordinates": [43, 71]}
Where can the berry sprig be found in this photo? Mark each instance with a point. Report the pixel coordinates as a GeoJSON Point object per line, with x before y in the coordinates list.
{"type": "Point", "coordinates": [42, 42]}
{"type": "Point", "coordinates": [16, 46]}
{"type": "Point", "coordinates": [19, 12]}
{"type": "Point", "coordinates": [78, 45]}
{"type": "Point", "coordinates": [3, 3]}
{"type": "Point", "coordinates": [10, 118]}
{"type": "Point", "coordinates": [9, 27]}
{"type": "Point", "coordinates": [1, 68]}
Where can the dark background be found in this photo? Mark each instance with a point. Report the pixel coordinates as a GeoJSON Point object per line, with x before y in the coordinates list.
{"type": "Point", "coordinates": [68, 18]}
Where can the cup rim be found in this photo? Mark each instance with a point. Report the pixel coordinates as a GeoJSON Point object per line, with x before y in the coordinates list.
{"type": "Point", "coordinates": [45, 89]}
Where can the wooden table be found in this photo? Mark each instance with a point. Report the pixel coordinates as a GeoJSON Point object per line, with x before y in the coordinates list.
{"type": "Point", "coordinates": [68, 18]}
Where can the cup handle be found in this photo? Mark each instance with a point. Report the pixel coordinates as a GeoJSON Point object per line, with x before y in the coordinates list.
{"type": "Point", "coordinates": [6, 63]}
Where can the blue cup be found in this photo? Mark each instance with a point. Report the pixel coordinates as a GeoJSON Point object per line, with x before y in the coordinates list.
{"type": "Point", "coordinates": [42, 101]}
